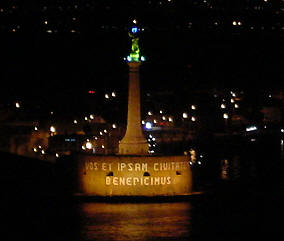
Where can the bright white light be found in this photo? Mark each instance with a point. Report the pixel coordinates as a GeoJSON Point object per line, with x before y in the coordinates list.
{"type": "Point", "coordinates": [232, 100]}
{"type": "Point", "coordinates": [251, 128]}
{"type": "Point", "coordinates": [236, 106]}
{"type": "Point", "coordinates": [113, 126]}
{"type": "Point", "coordinates": [17, 105]}
{"type": "Point", "coordinates": [149, 113]}
{"type": "Point", "coordinates": [234, 23]}
{"type": "Point", "coordinates": [52, 129]}
{"type": "Point", "coordinates": [164, 118]}
{"type": "Point", "coordinates": [148, 125]}
{"type": "Point", "coordinates": [282, 130]}
{"type": "Point", "coordinates": [142, 58]}
{"type": "Point", "coordinates": [193, 118]}
{"type": "Point", "coordinates": [225, 116]}
{"type": "Point", "coordinates": [75, 121]}
{"type": "Point", "coordinates": [56, 154]}
{"type": "Point", "coordinates": [155, 121]}
{"type": "Point", "coordinates": [106, 96]}
{"type": "Point", "coordinates": [171, 119]}
{"type": "Point", "coordinates": [89, 145]}
{"type": "Point", "coordinates": [128, 58]}
{"type": "Point", "coordinates": [184, 115]}
{"type": "Point", "coordinates": [91, 117]}
{"type": "Point", "coordinates": [134, 21]}
{"type": "Point", "coordinates": [223, 106]}
{"type": "Point", "coordinates": [193, 107]}
{"type": "Point", "coordinates": [143, 122]}
{"type": "Point", "coordinates": [113, 94]}
{"type": "Point", "coordinates": [36, 128]}
{"type": "Point", "coordinates": [35, 150]}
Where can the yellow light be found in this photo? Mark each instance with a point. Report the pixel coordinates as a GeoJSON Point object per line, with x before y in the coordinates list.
{"type": "Point", "coordinates": [234, 23]}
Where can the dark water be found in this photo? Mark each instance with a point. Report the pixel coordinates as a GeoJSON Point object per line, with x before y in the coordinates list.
{"type": "Point", "coordinates": [224, 215]}
{"type": "Point", "coordinates": [244, 204]}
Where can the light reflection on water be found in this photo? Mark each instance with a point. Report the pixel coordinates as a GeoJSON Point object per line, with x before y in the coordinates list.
{"type": "Point", "coordinates": [135, 221]}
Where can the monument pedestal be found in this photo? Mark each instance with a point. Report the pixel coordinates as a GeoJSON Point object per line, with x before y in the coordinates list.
{"type": "Point", "coordinates": [134, 142]}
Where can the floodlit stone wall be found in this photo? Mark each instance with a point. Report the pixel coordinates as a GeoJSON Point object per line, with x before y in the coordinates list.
{"type": "Point", "coordinates": [133, 175]}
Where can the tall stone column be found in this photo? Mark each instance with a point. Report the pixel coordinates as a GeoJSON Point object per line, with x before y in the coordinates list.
{"type": "Point", "coordinates": [134, 142]}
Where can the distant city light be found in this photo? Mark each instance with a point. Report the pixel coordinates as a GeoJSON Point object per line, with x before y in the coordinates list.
{"type": "Point", "coordinates": [134, 30]}
{"type": "Point", "coordinates": [251, 128]}
{"type": "Point", "coordinates": [184, 115]}
{"type": "Point", "coordinates": [148, 125]}
{"type": "Point", "coordinates": [223, 106]}
{"type": "Point", "coordinates": [193, 107]}
{"type": "Point", "coordinates": [52, 129]}
{"type": "Point", "coordinates": [89, 145]}
{"type": "Point", "coordinates": [225, 116]}
{"type": "Point", "coordinates": [18, 105]}
{"type": "Point", "coordinates": [193, 119]}
{"type": "Point", "coordinates": [106, 96]}
{"type": "Point", "coordinates": [114, 126]}
{"type": "Point", "coordinates": [113, 94]}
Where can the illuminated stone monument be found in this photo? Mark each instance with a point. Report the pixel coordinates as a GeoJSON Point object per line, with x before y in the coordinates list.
{"type": "Point", "coordinates": [133, 172]}
{"type": "Point", "coordinates": [134, 142]}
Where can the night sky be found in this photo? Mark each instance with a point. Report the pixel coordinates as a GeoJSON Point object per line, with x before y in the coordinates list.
{"type": "Point", "coordinates": [187, 46]}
